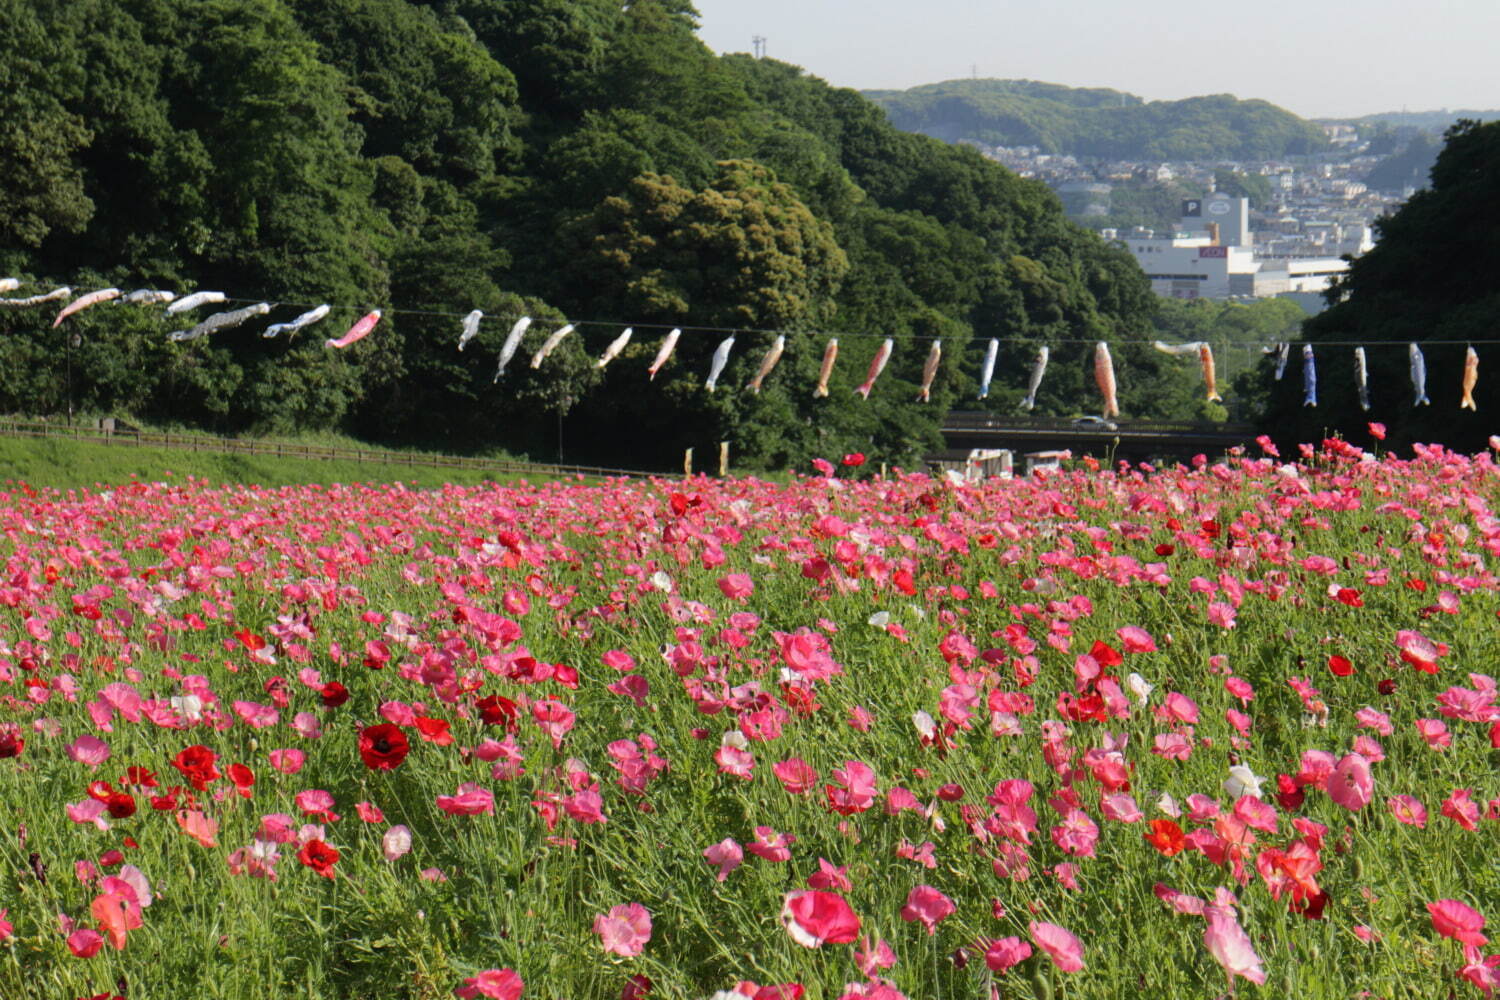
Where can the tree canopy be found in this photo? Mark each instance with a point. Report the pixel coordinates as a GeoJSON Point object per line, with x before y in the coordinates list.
{"type": "Point", "coordinates": [570, 160]}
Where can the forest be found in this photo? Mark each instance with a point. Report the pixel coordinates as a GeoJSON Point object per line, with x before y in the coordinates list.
{"type": "Point", "coordinates": [568, 160]}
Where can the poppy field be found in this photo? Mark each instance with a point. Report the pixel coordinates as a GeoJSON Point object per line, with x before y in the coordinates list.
{"type": "Point", "coordinates": [1188, 732]}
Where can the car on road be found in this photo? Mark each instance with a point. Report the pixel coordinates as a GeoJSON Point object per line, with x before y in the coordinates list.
{"type": "Point", "coordinates": [1095, 424]}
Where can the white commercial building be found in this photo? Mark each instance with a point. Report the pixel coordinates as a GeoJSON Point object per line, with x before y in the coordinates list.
{"type": "Point", "coordinates": [1210, 256]}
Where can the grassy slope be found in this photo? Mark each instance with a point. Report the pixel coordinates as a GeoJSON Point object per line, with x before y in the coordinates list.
{"type": "Point", "coordinates": [65, 464]}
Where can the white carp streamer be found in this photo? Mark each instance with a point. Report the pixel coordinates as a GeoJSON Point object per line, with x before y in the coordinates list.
{"type": "Point", "coordinates": [987, 370]}
{"type": "Point", "coordinates": [36, 300]}
{"type": "Point", "coordinates": [615, 347]}
{"type": "Point", "coordinates": [720, 359]}
{"type": "Point", "coordinates": [306, 319]}
{"type": "Point", "coordinates": [471, 327]}
{"type": "Point", "coordinates": [195, 300]}
{"type": "Point", "coordinates": [512, 341]}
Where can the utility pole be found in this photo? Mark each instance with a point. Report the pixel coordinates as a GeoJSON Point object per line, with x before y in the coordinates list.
{"type": "Point", "coordinates": [759, 42]}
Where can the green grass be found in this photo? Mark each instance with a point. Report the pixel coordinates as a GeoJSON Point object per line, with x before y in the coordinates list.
{"type": "Point", "coordinates": [71, 464]}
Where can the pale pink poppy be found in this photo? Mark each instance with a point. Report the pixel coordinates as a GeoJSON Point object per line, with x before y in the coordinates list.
{"type": "Point", "coordinates": [89, 750]}
{"type": "Point", "coordinates": [625, 930]}
{"type": "Point", "coordinates": [1230, 946]}
{"type": "Point", "coordinates": [1065, 950]}
{"type": "Point", "coordinates": [396, 843]}
{"type": "Point", "coordinates": [288, 761]}
{"type": "Point", "coordinates": [1350, 785]}
{"type": "Point", "coordinates": [1136, 639]}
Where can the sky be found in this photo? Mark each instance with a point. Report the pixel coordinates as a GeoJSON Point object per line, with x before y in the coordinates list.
{"type": "Point", "coordinates": [1316, 58]}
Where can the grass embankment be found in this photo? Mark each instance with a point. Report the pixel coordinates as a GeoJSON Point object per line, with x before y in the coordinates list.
{"type": "Point", "coordinates": [68, 464]}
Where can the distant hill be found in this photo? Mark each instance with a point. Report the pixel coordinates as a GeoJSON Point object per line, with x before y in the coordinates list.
{"type": "Point", "coordinates": [1427, 121]}
{"type": "Point", "coordinates": [1099, 122]}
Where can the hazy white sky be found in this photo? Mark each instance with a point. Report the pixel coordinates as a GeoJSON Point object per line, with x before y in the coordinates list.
{"type": "Point", "coordinates": [1317, 58]}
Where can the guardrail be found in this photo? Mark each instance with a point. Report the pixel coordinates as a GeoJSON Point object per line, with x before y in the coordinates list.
{"type": "Point", "coordinates": [130, 438]}
{"type": "Point", "coordinates": [963, 420]}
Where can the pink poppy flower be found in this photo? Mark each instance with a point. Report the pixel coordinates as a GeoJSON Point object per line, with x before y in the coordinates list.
{"type": "Point", "coordinates": [727, 855]}
{"type": "Point", "coordinates": [735, 762]}
{"type": "Point", "coordinates": [795, 775]}
{"type": "Point", "coordinates": [1350, 785]}
{"type": "Point", "coordinates": [737, 586]}
{"type": "Point", "coordinates": [1435, 733]}
{"type": "Point", "coordinates": [874, 958]}
{"type": "Point", "coordinates": [85, 943]}
{"type": "Point", "coordinates": [1460, 809]}
{"type": "Point", "coordinates": [1458, 921]}
{"type": "Point", "coordinates": [770, 845]}
{"type": "Point", "coordinates": [288, 761]}
{"type": "Point", "coordinates": [1065, 950]}
{"type": "Point", "coordinates": [853, 788]}
{"type": "Point", "coordinates": [814, 917]}
{"type": "Point", "coordinates": [1230, 946]}
{"type": "Point", "coordinates": [1408, 809]}
{"type": "Point", "coordinates": [1004, 953]}
{"type": "Point", "coordinates": [498, 984]}
{"type": "Point", "coordinates": [928, 905]}
{"type": "Point", "coordinates": [1136, 639]}
{"type": "Point", "coordinates": [1120, 807]}
{"type": "Point", "coordinates": [396, 843]}
{"type": "Point", "coordinates": [89, 750]}
{"type": "Point", "coordinates": [470, 800]}
{"type": "Point", "coordinates": [830, 876]}
{"type": "Point", "coordinates": [625, 930]}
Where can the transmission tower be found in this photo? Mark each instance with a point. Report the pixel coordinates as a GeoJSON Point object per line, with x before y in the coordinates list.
{"type": "Point", "coordinates": [759, 41]}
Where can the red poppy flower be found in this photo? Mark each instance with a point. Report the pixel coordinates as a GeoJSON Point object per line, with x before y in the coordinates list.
{"type": "Point", "coordinates": [854, 459]}
{"type": "Point", "coordinates": [121, 805]}
{"type": "Point", "coordinates": [383, 747]}
{"type": "Point", "coordinates": [319, 857]}
{"type": "Point", "coordinates": [243, 778]}
{"type": "Point", "coordinates": [1339, 666]}
{"type": "Point", "coordinates": [1351, 597]}
{"type": "Point", "coordinates": [496, 710]}
{"type": "Point", "coordinates": [1166, 836]}
{"type": "Point", "coordinates": [197, 764]}
{"type": "Point", "coordinates": [1106, 655]}
{"type": "Point", "coordinates": [250, 640]}
{"type": "Point", "coordinates": [334, 694]}
{"type": "Point", "coordinates": [434, 730]}
{"type": "Point", "coordinates": [11, 745]}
